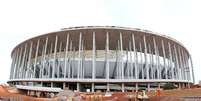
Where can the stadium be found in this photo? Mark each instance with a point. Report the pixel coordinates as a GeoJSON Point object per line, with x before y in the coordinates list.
{"type": "Point", "coordinates": [104, 58]}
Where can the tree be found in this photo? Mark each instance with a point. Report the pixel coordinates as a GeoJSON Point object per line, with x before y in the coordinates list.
{"type": "Point", "coordinates": [168, 86]}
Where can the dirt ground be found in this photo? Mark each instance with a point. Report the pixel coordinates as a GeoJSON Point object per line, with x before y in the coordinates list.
{"type": "Point", "coordinates": [176, 95]}
{"type": "Point", "coordinates": [4, 93]}
{"type": "Point", "coordinates": [179, 92]}
{"type": "Point", "coordinates": [167, 95]}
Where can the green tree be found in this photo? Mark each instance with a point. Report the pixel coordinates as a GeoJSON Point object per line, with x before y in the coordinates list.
{"type": "Point", "coordinates": [168, 86]}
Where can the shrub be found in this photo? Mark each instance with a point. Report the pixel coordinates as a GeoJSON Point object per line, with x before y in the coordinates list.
{"type": "Point", "coordinates": [168, 86]}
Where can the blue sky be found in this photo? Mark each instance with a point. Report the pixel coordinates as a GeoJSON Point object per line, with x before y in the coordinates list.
{"type": "Point", "coordinates": [23, 19]}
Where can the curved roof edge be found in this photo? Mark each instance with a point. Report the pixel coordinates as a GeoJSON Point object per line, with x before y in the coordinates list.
{"type": "Point", "coordinates": [105, 27]}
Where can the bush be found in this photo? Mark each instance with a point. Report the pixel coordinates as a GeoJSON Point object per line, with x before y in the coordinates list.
{"type": "Point", "coordinates": [168, 86]}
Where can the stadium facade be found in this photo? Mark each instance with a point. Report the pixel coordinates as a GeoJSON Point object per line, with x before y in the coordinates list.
{"type": "Point", "coordinates": [106, 58]}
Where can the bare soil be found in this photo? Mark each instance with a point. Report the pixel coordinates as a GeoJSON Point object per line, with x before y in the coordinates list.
{"type": "Point", "coordinates": [166, 95]}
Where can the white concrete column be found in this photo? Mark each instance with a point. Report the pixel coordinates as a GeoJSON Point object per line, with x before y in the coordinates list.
{"type": "Point", "coordinates": [151, 62]}
{"type": "Point", "coordinates": [188, 85]}
{"type": "Point", "coordinates": [36, 56]}
{"type": "Point", "coordinates": [164, 59]}
{"type": "Point", "coordinates": [26, 61]}
{"type": "Point", "coordinates": [156, 58]}
{"type": "Point", "coordinates": [108, 87]}
{"type": "Point", "coordinates": [29, 61]}
{"type": "Point", "coordinates": [122, 62]}
{"type": "Point", "coordinates": [78, 86]}
{"type": "Point", "coordinates": [64, 85]}
{"type": "Point", "coordinates": [94, 57]}
{"type": "Point", "coordinates": [72, 49]}
{"type": "Point", "coordinates": [131, 62]}
{"type": "Point", "coordinates": [136, 87]}
{"type": "Point", "coordinates": [170, 54]}
{"type": "Point", "coordinates": [66, 55]}
{"type": "Point", "coordinates": [73, 67]}
{"type": "Point", "coordinates": [107, 57]}
{"type": "Point", "coordinates": [52, 85]}
{"type": "Point", "coordinates": [181, 63]}
{"type": "Point", "coordinates": [92, 87]}
{"type": "Point", "coordinates": [159, 86]}
{"type": "Point", "coordinates": [13, 57]}
{"type": "Point", "coordinates": [41, 84]}
{"type": "Point", "coordinates": [135, 57]}
{"type": "Point", "coordinates": [145, 57]}
{"type": "Point", "coordinates": [16, 63]}
{"type": "Point", "coordinates": [78, 66]}
{"type": "Point", "coordinates": [141, 61]}
{"type": "Point", "coordinates": [11, 69]}
{"type": "Point", "coordinates": [179, 85]}
{"type": "Point", "coordinates": [82, 59]}
{"type": "Point", "coordinates": [127, 68]}
{"type": "Point", "coordinates": [19, 73]}
{"type": "Point", "coordinates": [55, 54]}
{"type": "Point", "coordinates": [13, 64]}
{"type": "Point", "coordinates": [184, 64]}
{"type": "Point", "coordinates": [177, 65]}
{"type": "Point", "coordinates": [23, 61]}
{"type": "Point", "coordinates": [41, 59]}
{"type": "Point", "coordinates": [19, 63]}
{"type": "Point", "coordinates": [49, 60]}
{"type": "Point", "coordinates": [122, 87]}
{"type": "Point", "coordinates": [191, 62]}
{"type": "Point", "coordinates": [118, 61]}
{"type": "Point", "coordinates": [69, 63]}
{"type": "Point", "coordinates": [137, 64]}
{"type": "Point", "coordinates": [44, 56]}
{"type": "Point", "coordinates": [59, 62]}
{"type": "Point", "coordinates": [148, 87]}
{"type": "Point", "coordinates": [187, 65]}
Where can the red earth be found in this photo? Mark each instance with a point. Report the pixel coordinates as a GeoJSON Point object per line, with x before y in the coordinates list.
{"type": "Point", "coordinates": [167, 95]}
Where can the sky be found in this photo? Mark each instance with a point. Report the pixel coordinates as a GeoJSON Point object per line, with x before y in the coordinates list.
{"type": "Point", "coordinates": [23, 19]}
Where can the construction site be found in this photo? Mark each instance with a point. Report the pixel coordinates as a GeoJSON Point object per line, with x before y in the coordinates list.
{"type": "Point", "coordinates": [183, 94]}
